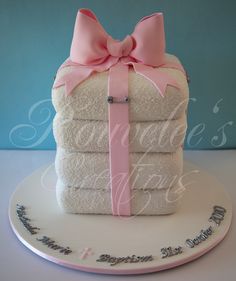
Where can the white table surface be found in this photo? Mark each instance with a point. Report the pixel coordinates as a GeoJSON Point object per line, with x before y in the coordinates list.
{"type": "Point", "coordinates": [19, 263]}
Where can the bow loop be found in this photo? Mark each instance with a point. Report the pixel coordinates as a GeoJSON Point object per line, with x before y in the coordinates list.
{"type": "Point", "coordinates": [89, 41]}
{"type": "Point", "coordinates": [149, 36]}
{"type": "Point", "coordinates": [94, 50]}
{"type": "Point", "coordinates": [91, 45]}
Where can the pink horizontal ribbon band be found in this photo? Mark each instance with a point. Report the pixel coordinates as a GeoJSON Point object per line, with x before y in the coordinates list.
{"type": "Point", "coordinates": [93, 50]}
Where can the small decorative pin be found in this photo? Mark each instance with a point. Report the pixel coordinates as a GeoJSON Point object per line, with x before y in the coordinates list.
{"type": "Point", "coordinates": [188, 77]}
{"type": "Point", "coordinates": [110, 99]}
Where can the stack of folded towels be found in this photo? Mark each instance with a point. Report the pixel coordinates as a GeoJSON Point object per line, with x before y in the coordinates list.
{"type": "Point", "coordinates": [156, 135]}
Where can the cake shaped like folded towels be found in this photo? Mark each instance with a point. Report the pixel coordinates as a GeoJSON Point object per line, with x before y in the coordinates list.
{"type": "Point", "coordinates": [120, 121]}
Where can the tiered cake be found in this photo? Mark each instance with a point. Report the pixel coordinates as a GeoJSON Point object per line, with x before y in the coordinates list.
{"type": "Point", "coordinates": [92, 140]}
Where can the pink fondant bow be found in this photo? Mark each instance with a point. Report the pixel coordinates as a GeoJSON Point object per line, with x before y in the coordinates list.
{"type": "Point", "coordinates": [93, 50]}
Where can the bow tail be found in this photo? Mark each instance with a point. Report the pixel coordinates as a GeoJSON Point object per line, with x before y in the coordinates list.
{"type": "Point", "coordinates": [157, 77]}
{"type": "Point", "coordinates": [73, 78]}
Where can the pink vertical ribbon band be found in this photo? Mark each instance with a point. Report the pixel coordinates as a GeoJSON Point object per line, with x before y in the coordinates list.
{"type": "Point", "coordinates": [118, 111]}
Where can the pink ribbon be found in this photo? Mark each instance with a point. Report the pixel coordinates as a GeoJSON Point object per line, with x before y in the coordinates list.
{"type": "Point", "coordinates": [93, 50]}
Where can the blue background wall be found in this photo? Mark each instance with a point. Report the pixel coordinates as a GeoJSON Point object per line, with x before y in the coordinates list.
{"type": "Point", "coordinates": [35, 39]}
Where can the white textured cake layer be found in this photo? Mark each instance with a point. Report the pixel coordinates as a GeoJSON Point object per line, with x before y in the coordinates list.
{"type": "Point", "coordinates": [143, 202]}
{"type": "Point", "coordinates": [157, 127]}
{"type": "Point", "coordinates": [88, 101]}
{"type": "Point", "coordinates": [92, 136]}
{"type": "Point", "coordinates": [91, 170]}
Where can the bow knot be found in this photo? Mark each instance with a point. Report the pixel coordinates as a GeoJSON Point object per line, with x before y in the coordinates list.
{"type": "Point", "coordinates": [93, 50]}
{"type": "Point", "coordinates": [120, 48]}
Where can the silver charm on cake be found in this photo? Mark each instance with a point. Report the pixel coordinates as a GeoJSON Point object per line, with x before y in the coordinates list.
{"type": "Point", "coordinates": [188, 77]}
{"type": "Point", "coordinates": [111, 99]}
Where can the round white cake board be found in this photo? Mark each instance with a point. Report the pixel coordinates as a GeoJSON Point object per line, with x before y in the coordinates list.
{"type": "Point", "coordinates": [89, 236]}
